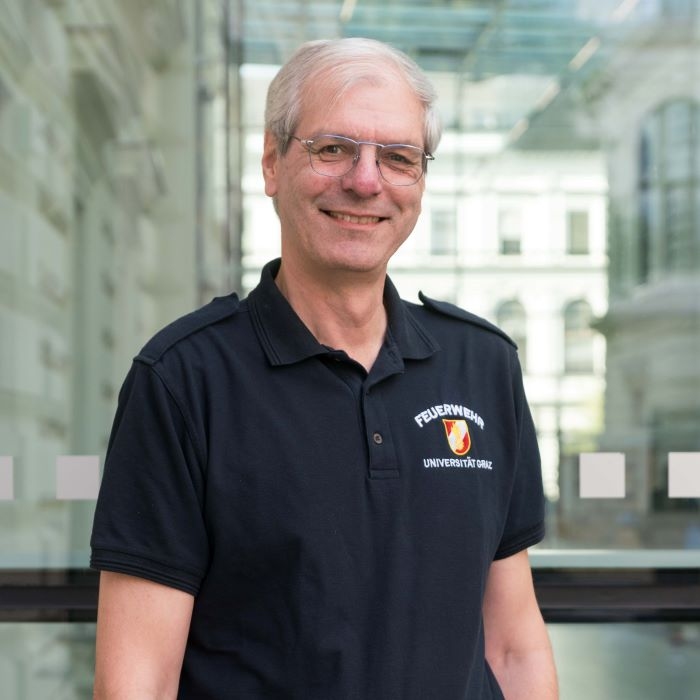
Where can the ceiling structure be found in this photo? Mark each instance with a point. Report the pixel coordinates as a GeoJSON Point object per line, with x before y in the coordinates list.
{"type": "Point", "coordinates": [480, 38]}
{"type": "Point", "coordinates": [500, 65]}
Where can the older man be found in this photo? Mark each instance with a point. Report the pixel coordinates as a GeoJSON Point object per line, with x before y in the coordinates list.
{"type": "Point", "coordinates": [322, 492]}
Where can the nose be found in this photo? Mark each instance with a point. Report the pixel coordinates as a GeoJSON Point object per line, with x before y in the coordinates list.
{"type": "Point", "coordinates": [364, 177]}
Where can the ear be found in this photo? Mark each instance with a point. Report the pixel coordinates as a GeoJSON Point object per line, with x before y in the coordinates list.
{"type": "Point", "coordinates": [270, 164]}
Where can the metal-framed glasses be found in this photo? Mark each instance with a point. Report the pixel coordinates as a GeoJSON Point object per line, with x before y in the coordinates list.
{"type": "Point", "coordinates": [334, 156]}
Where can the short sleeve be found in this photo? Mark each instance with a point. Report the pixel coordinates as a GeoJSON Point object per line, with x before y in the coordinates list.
{"type": "Point", "coordinates": [149, 516]}
{"type": "Point", "coordinates": [524, 525]}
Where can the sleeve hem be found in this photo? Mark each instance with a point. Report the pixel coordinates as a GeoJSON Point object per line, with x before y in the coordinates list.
{"type": "Point", "coordinates": [135, 566]}
{"type": "Point", "coordinates": [523, 540]}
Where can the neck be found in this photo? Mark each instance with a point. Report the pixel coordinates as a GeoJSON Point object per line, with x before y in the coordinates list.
{"type": "Point", "coordinates": [349, 315]}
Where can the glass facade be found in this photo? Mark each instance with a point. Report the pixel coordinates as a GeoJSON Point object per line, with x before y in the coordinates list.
{"type": "Point", "coordinates": [658, 660]}
{"type": "Point", "coordinates": [563, 204]}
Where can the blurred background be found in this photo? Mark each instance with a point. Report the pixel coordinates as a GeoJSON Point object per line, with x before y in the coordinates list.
{"type": "Point", "coordinates": [563, 205]}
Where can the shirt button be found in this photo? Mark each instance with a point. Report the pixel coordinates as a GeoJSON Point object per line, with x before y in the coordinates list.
{"type": "Point", "coordinates": [378, 439]}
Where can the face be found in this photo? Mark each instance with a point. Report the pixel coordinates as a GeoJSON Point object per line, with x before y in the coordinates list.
{"type": "Point", "coordinates": [356, 222]}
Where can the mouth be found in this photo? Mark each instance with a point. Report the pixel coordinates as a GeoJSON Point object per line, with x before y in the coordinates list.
{"type": "Point", "coordinates": [350, 219]}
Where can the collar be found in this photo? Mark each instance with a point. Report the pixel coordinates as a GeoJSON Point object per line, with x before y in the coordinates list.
{"type": "Point", "coordinates": [286, 340]}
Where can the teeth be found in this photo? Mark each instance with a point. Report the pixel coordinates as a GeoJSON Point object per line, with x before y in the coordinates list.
{"type": "Point", "coordinates": [355, 219]}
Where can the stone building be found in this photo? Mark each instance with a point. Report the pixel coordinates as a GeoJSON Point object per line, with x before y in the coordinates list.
{"type": "Point", "coordinates": [106, 200]}
{"type": "Point", "coordinates": [645, 102]}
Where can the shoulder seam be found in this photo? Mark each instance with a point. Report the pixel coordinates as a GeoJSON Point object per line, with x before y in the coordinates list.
{"type": "Point", "coordinates": [460, 314]}
{"type": "Point", "coordinates": [215, 311]}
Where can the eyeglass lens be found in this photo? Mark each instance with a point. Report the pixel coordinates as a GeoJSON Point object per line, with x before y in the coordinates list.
{"type": "Point", "coordinates": [335, 156]}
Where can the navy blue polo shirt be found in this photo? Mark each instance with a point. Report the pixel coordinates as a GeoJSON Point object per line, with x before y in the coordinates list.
{"type": "Point", "coordinates": [336, 527]}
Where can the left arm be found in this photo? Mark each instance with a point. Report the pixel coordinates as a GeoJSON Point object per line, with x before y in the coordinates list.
{"type": "Point", "coordinates": [517, 644]}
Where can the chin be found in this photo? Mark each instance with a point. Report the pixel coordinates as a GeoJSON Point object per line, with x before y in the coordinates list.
{"type": "Point", "coordinates": [358, 263]}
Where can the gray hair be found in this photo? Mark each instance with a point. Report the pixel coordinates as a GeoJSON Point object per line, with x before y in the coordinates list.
{"type": "Point", "coordinates": [344, 62]}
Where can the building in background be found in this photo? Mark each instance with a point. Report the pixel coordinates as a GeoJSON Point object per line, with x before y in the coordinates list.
{"type": "Point", "coordinates": [518, 237]}
{"type": "Point", "coordinates": [131, 192]}
{"type": "Point", "coordinates": [106, 201]}
{"type": "Point", "coordinates": [645, 104]}
{"type": "Point", "coordinates": [513, 228]}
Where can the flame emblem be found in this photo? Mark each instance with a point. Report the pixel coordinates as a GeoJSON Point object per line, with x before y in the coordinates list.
{"type": "Point", "coordinates": [457, 435]}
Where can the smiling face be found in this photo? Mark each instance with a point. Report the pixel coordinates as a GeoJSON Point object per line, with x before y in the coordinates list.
{"type": "Point", "coordinates": [356, 222]}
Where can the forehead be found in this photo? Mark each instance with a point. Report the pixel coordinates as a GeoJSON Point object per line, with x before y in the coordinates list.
{"type": "Point", "coordinates": [371, 107]}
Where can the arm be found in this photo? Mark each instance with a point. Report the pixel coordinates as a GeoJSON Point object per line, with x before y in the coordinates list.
{"type": "Point", "coordinates": [142, 629]}
{"type": "Point", "coordinates": [517, 644]}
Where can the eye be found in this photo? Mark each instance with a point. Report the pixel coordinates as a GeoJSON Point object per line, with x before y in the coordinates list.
{"type": "Point", "coordinates": [397, 158]}
{"type": "Point", "coordinates": [401, 157]}
{"type": "Point", "coordinates": [332, 148]}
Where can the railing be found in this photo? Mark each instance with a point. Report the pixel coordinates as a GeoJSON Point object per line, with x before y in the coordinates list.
{"type": "Point", "coordinates": [571, 586]}
{"type": "Point", "coordinates": [617, 585]}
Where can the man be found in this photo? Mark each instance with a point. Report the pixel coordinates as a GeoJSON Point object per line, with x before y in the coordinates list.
{"type": "Point", "coordinates": [322, 492]}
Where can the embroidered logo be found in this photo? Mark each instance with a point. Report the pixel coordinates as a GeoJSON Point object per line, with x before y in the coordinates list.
{"type": "Point", "coordinates": [457, 435]}
{"type": "Point", "coordinates": [457, 420]}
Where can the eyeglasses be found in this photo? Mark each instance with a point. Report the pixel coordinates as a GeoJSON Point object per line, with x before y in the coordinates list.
{"type": "Point", "coordinates": [335, 156]}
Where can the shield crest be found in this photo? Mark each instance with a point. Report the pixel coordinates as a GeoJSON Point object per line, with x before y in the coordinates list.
{"type": "Point", "coordinates": [457, 435]}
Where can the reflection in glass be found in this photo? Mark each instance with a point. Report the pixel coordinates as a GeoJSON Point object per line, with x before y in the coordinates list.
{"type": "Point", "coordinates": [509, 231]}
{"type": "Point", "coordinates": [578, 338]}
{"type": "Point", "coordinates": [627, 661]}
{"type": "Point", "coordinates": [577, 233]}
{"type": "Point", "coordinates": [564, 204]}
{"type": "Point", "coordinates": [510, 316]}
{"type": "Point", "coordinates": [46, 660]}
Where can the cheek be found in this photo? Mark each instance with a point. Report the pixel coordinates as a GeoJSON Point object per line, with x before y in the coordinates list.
{"type": "Point", "coordinates": [413, 207]}
{"type": "Point", "coordinates": [291, 178]}
{"type": "Point", "coordinates": [302, 188]}
{"type": "Point", "coordinates": [412, 212]}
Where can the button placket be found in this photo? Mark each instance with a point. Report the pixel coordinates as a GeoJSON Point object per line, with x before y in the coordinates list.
{"type": "Point", "coordinates": [382, 455]}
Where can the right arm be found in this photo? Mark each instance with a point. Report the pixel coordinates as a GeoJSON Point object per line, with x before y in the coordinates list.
{"type": "Point", "coordinates": [142, 629]}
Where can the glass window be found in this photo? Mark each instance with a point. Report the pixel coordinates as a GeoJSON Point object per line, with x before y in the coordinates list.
{"type": "Point", "coordinates": [578, 338]}
{"type": "Point", "coordinates": [443, 230]}
{"type": "Point", "coordinates": [648, 233]}
{"type": "Point", "coordinates": [46, 660]}
{"type": "Point", "coordinates": [509, 231]}
{"type": "Point", "coordinates": [126, 203]}
{"type": "Point", "coordinates": [131, 193]}
{"type": "Point", "coordinates": [510, 316]}
{"type": "Point", "coordinates": [577, 233]}
{"type": "Point", "coordinates": [674, 430]}
{"type": "Point", "coordinates": [667, 190]}
{"type": "Point", "coordinates": [665, 660]}
{"type": "Point", "coordinates": [683, 10]}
